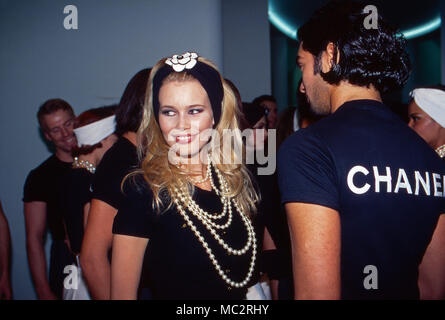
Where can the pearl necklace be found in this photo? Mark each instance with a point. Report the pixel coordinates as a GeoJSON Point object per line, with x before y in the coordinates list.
{"type": "Point", "coordinates": [441, 151]}
{"type": "Point", "coordinates": [184, 200]}
{"type": "Point", "coordinates": [205, 178]}
{"type": "Point", "coordinates": [84, 164]}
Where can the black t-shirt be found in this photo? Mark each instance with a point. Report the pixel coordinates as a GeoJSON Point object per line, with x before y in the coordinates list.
{"type": "Point", "coordinates": [385, 182]}
{"type": "Point", "coordinates": [43, 184]}
{"type": "Point", "coordinates": [76, 193]}
{"type": "Point", "coordinates": [117, 162]}
{"type": "Point", "coordinates": [177, 264]}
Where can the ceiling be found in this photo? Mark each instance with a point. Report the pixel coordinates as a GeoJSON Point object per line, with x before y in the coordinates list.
{"type": "Point", "coordinates": [288, 15]}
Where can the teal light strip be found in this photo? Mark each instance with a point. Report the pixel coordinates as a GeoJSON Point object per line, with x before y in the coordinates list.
{"type": "Point", "coordinates": [291, 31]}
{"type": "Point", "coordinates": [423, 29]}
{"type": "Point", "coordinates": [282, 25]}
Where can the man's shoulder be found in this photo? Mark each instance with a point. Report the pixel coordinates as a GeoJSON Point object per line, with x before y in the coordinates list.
{"type": "Point", "coordinates": [44, 166]}
{"type": "Point", "coordinates": [305, 138]}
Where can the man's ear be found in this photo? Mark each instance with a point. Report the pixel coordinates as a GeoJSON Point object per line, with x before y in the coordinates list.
{"type": "Point", "coordinates": [47, 136]}
{"type": "Point", "coordinates": [328, 57]}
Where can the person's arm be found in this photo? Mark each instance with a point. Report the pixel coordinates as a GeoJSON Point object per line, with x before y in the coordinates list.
{"type": "Point", "coordinates": [315, 238]}
{"type": "Point", "coordinates": [5, 254]}
{"type": "Point", "coordinates": [35, 221]}
{"type": "Point", "coordinates": [269, 244]}
{"type": "Point", "coordinates": [126, 266]}
{"type": "Point", "coordinates": [432, 269]}
{"type": "Point", "coordinates": [95, 247]}
{"type": "Point", "coordinates": [86, 212]}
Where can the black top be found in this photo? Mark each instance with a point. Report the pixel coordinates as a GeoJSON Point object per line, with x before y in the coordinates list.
{"type": "Point", "coordinates": [385, 182]}
{"type": "Point", "coordinates": [177, 264]}
{"type": "Point", "coordinates": [276, 263]}
{"type": "Point", "coordinates": [43, 184]}
{"type": "Point", "coordinates": [116, 163]}
{"type": "Point", "coordinates": [76, 192]}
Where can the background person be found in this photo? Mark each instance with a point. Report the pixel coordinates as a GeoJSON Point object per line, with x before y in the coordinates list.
{"type": "Point", "coordinates": [41, 197]}
{"type": "Point", "coordinates": [5, 258]}
{"type": "Point", "coordinates": [107, 196]}
{"type": "Point", "coordinates": [192, 252]}
{"type": "Point", "coordinates": [426, 114]}
{"type": "Point", "coordinates": [270, 104]}
{"type": "Point", "coordinates": [94, 130]}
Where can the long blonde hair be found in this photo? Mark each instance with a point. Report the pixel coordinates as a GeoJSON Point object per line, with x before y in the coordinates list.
{"type": "Point", "coordinates": [163, 177]}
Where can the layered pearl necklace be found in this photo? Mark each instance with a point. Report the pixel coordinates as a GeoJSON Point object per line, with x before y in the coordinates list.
{"type": "Point", "coordinates": [441, 151]}
{"type": "Point", "coordinates": [208, 173]}
{"type": "Point", "coordinates": [184, 201]}
{"type": "Point", "coordinates": [84, 164]}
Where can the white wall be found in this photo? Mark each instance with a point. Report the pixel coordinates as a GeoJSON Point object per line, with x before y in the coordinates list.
{"type": "Point", "coordinates": [88, 67]}
{"type": "Point", "coordinates": [247, 46]}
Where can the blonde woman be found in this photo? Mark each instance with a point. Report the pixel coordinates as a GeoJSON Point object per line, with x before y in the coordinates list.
{"type": "Point", "coordinates": [189, 209]}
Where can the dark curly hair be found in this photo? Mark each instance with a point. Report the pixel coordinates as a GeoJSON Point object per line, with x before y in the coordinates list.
{"type": "Point", "coordinates": [367, 57]}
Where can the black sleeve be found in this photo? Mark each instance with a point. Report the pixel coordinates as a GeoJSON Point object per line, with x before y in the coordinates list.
{"type": "Point", "coordinates": [34, 189]}
{"type": "Point", "coordinates": [306, 172]}
{"type": "Point", "coordinates": [136, 216]}
{"type": "Point", "coordinates": [107, 182]}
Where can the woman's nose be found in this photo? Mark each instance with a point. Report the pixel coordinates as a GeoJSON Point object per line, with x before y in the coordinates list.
{"type": "Point", "coordinates": [183, 121]}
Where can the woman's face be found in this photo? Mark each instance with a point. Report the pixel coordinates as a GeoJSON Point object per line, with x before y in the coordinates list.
{"type": "Point", "coordinates": [272, 112]}
{"type": "Point", "coordinates": [185, 117]}
{"type": "Point", "coordinates": [423, 124]}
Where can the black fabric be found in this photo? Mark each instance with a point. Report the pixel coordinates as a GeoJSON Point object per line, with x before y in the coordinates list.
{"type": "Point", "coordinates": [76, 193]}
{"type": "Point", "coordinates": [44, 184]}
{"type": "Point", "coordinates": [116, 163]}
{"type": "Point", "coordinates": [388, 229]}
{"type": "Point", "coordinates": [60, 257]}
{"type": "Point", "coordinates": [272, 216]}
{"type": "Point", "coordinates": [177, 264]}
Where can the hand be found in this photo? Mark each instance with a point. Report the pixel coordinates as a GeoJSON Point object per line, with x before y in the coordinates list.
{"type": "Point", "coordinates": [46, 295]}
{"type": "Point", "coordinates": [5, 288]}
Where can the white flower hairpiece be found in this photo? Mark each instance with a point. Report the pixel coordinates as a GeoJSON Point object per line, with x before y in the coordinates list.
{"type": "Point", "coordinates": [185, 61]}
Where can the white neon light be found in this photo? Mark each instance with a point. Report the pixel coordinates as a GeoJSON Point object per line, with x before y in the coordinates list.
{"type": "Point", "coordinates": [291, 31]}
{"type": "Point", "coordinates": [282, 25]}
{"type": "Point", "coordinates": [423, 29]}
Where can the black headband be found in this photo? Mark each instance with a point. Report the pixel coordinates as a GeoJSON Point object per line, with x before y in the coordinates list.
{"type": "Point", "coordinates": [205, 74]}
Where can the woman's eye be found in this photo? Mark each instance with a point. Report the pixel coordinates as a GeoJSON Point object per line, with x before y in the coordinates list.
{"type": "Point", "coordinates": [168, 113]}
{"type": "Point", "coordinates": [195, 111]}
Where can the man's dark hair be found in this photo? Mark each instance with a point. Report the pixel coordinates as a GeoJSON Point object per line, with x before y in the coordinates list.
{"type": "Point", "coordinates": [51, 106]}
{"type": "Point", "coordinates": [366, 56]}
{"type": "Point", "coordinates": [130, 109]}
{"type": "Point", "coordinates": [259, 100]}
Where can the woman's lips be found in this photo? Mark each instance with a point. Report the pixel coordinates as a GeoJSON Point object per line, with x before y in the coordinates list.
{"type": "Point", "coordinates": [184, 139]}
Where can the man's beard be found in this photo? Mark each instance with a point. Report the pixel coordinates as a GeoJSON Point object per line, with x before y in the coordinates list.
{"type": "Point", "coordinates": [320, 102]}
